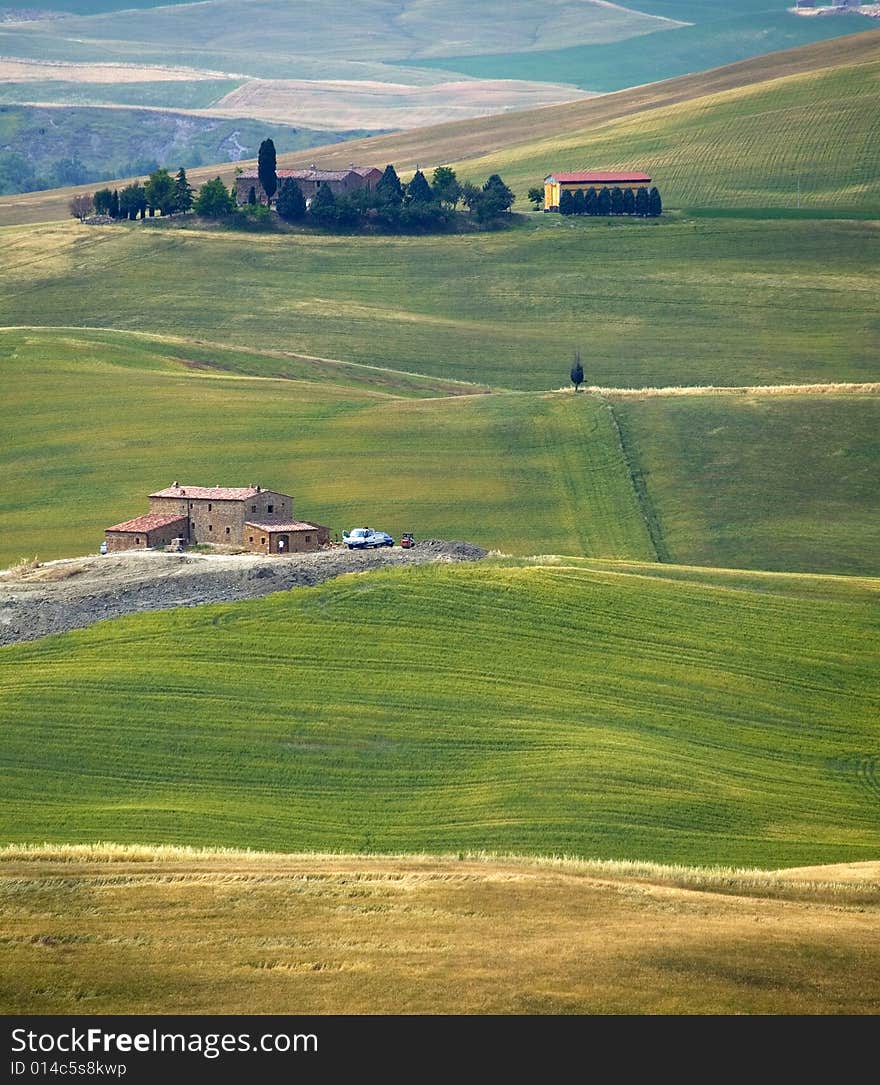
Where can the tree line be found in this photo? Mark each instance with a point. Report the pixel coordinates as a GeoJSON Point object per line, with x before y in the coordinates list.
{"type": "Point", "coordinates": [644, 202]}
{"type": "Point", "coordinates": [393, 206]}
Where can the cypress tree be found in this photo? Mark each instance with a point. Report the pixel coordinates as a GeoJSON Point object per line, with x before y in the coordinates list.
{"type": "Point", "coordinates": [183, 193]}
{"type": "Point", "coordinates": [655, 204]}
{"type": "Point", "coordinates": [566, 203]}
{"type": "Point", "coordinates": [323, 207]}
{"type": "Point", "coordinates": [642, 203]}
{"type": "Point", "coordinates": [291, 205]}
{"type": "Point", "coordinates": [590, 202]}
{"type": "Point", "coordinates": [629, 202]}
{"type": "Point", "coordinates": [418, 190]}
{"type": "Point", "coordinates": [616, 201]}
{"type": "Point", "coordinates": [578, 201]}
{"type": "Point", "coordinates": [266, 163]}
{"type": "Point", "coordinates": [603, 202]}
{"type": "Point", "coordinates": [577, 372]}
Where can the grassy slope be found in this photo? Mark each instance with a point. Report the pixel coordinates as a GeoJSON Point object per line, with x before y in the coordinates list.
{"type": "Point", "coordinates": [723, 302]}
{"type": "Point", "coordinates": [747, 147]}
{"type": "Point", "coordinates": [535, 709]}
{"type": "Point", "coordinates": [791, 479]}
{"type": "Point", "coordinates": [100, 422]}
{"type": "Point", "coordinates": [345, 934]}
{"type": "Point", "coordinates": [514, 133]}
{"type": "Point", "coordinates": [660, 55]}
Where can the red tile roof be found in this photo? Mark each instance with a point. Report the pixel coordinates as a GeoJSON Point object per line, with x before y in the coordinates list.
{"type": "Point", "coordinates": [150, 522]}
{"type": "Point", "coordinates": [601, 177]}
{"type": "Point", "coordinates": [304, 175]}
{"type": "Point", "coordinates": [293, 525]}
{"type": "Point", "coordinates": [212, 493]}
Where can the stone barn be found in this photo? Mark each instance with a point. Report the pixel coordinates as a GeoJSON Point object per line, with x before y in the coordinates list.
{"type": "Point", "coordinates": [245, 516]}
{"type": "Point", "coordinates": [339, 182]}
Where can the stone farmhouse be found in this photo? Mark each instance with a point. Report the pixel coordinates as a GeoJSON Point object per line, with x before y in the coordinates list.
{"type": "Point", "coordinates": [248, 516]}
{"type": "Point", "coordinates": [338, 181]}
{"type": "Point", "coordinates": [557, 183]}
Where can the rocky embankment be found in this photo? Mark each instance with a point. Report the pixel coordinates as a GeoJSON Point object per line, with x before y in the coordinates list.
{"type": "Point", "coordinates": [77, 592]}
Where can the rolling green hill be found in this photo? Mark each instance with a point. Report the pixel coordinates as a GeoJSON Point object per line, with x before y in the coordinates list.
{"type": "Point", "coordinates": [101, 420]}
{"type": "Point", "coordinates": [98, 420]}
{"type": "Point", "coordinates": [542, 709]}
{"type": "Point", "coordinates": [811, 138]}
{"type": "Point", "coordinates": [680, 302]}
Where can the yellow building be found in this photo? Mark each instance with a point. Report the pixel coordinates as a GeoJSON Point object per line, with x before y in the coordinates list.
{"type": "Point", "coordinates": [557, 183]}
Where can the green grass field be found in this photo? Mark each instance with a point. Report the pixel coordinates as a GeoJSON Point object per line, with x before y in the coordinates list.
{"type": "Point", "coordinates": [170, 94]}
{"type": "Point", "coordinates": [745, 147]}
{"type": "Point", "coordinates": [784, 482]}
{"type": "Point", "coordinates": [683, 302]}
{"type": "Point", "coordinates": [539, 709]}
{"type": "Point", "coordinates": [99, 420]}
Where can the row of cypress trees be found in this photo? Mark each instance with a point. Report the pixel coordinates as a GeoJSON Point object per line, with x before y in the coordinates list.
{"type": "Point", "coordinates": [645, 203]}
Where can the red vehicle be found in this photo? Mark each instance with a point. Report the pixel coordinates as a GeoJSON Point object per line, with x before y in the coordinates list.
{"type": "Point", "coordinates": [407, 540]}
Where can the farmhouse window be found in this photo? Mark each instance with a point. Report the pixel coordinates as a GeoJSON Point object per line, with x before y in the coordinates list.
{"type": "Point", "coordinates": [210, 506]}
{"type": "Point", "coordinates": [210, 527]}
{"type": "Point", "coordinates": [227, 531]}
{"type": "Point", "coordinates": [271, 508]}
{"type": "Point", "coordinates": [263, 541]}
{"type": "Point", "coordinates": [137, 539]}
{"type": "Point", "coordinates": [192, 523]}
{"type": "Point", "coordinates": [190, 504]}
{"type": "Point", "coordinates": [253, 508]}
{"type": "Point", "coordinates": [308, 538]}
{"type": "Point", "coordinates": [251, 539]}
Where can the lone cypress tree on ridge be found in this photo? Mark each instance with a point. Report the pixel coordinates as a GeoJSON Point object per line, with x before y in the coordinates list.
{"type": "Point", "coordinates": [577, 372]}
{"type": "Point", "coordinates": [266, 163]}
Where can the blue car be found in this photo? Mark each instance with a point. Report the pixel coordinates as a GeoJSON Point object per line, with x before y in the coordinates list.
{"type": "Point", "coordinates": [361, 538]}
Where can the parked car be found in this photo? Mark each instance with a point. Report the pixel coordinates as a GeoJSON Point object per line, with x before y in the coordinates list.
{"type": "Point", "coordinates": [407, 540]}
{"type": "Point", "coordinates": [361, 538]}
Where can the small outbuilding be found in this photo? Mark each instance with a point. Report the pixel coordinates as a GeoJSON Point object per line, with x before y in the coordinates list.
{"type": "Point", "coordinates": [145, 531]}
{"type": "Point", "coordinates": [295, 537]}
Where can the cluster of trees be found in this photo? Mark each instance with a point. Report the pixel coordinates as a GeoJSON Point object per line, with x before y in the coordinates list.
{"type": "Point", "coordinates": [392, 206]}
{"type": "Point", "coordinates": [645, 203]}
{"type": "Point", "coordinates": [161, 192]}
{"type": "Point", "coordinates": [395, 206]}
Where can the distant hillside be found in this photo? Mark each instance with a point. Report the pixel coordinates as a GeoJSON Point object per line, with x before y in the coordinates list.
{"type": "Point", "coordinates": [44, 147]}
{"type": "Point", "coordinates": [737, 155]}
{"type": "Point", "coordinates": [722, 34]}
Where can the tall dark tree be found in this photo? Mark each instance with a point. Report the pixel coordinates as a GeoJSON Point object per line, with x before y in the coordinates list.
{"type": "Point", "coordinates": [418, 190]}
{"type": "Point", "coordinates": [655, 204]}
{"type": "Point", "coordinates": [577, 201]}
{"type": "Point", "coordinates": [291, 204]}
{"type": "Point", "coordinates": [160, 192]}
{"type": "Point", "coordinates": [132, 201]}
{"type": "Point", "coordinates": [499, 197]}
{"type": "Point", "coordinates": [389, 190]}
{"type": "Point", "coordinates": [214, 200]}
{"type": "Point", "coordinates": [103, 200]}
{"type": "Point", "coordinates": [114, 204]}
{"type": "Point", "coordinates": [603, 202]}
{"type": "Point", "coordinates": [577, 372]}
{"type": "Point", "coordinates": [643, 203]}
{"type": "Point", "coordinates": [590, 206]}
{"type": "Point", "coordinates": [183, 192]}
{"type": "Point", "coordinates": [445, 186]}
{"type": "Point", "coordinates": [535, 196]}
{"type": "Point", "coordinates": [267, 162]}
{"type": "Point", "coordinates": [629, 202]}
{"type": "Point", "coordinates": [616, 201]}
{"type": "Point", "coordinates": [323, 207]}
{"type": "Point", "coordinates": [566, 202]}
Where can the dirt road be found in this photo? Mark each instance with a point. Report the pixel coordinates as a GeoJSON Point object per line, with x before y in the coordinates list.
{"type": "Point", "coordinates": [77, 592]}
